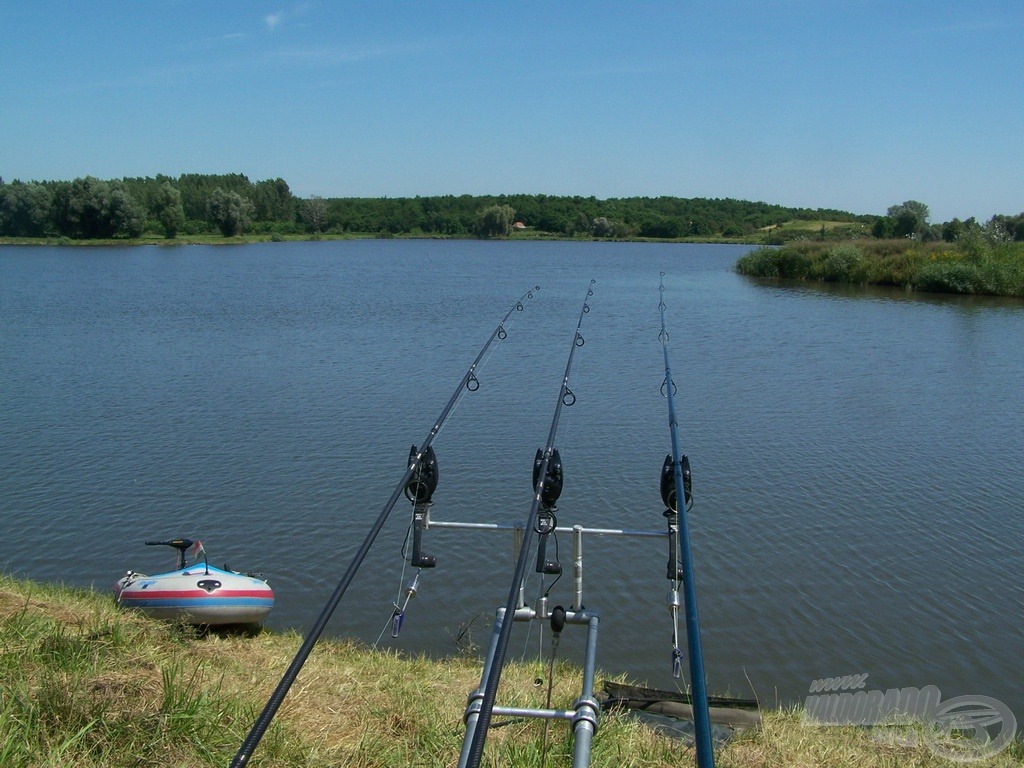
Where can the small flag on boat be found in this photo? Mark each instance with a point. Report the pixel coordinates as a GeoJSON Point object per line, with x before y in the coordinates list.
{"type": "Point", "coordinates": [198, 551]}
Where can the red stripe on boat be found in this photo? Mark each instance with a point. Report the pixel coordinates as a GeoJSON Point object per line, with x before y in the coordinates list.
{"type": "Point", "coordinates": [163, 594]}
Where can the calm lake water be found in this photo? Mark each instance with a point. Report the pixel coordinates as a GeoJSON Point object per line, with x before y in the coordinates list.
{"type": "Point", "coordinates": [856, 454]}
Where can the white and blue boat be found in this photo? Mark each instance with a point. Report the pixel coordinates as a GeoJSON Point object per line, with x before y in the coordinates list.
{"type": "Point", "coordinates": [199, 593]}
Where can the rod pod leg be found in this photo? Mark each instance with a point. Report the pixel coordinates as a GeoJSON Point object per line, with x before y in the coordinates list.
{"type": "Point", "coordinates": [588, 711]}
{"type": "Point", "coordinates": [476, 698]}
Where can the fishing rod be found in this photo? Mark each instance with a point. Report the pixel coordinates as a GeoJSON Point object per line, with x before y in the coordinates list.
{"type": "Point", "coordinates": [418, 483]}
{"type": "Point", "coordinates": [676, 485]}
{"type": "Point", "coordinates": [547, 476]}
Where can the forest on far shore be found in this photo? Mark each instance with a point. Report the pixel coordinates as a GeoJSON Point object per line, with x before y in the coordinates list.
{"type": "Point", "coordinates": [230, 205]}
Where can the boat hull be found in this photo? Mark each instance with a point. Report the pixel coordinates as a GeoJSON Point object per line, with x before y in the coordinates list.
{"type": "Point", "coordinates": [197, 594]}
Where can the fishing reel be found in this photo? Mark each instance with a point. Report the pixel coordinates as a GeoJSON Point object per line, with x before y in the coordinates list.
{"type": "Point", "coordinates": [552, 487]}
{"type": "Point", "coordinates": [419, 490]}
{"type": "Point", "coordinates": [668, 484]}
{"type": "Point", "coordinates": [423, 483]}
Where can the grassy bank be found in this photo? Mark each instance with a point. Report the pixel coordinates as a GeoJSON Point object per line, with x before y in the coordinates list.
{"type": "Point", "coordinates": [973, 267]}
{"type": "Point", "coordinates": [86, 685]}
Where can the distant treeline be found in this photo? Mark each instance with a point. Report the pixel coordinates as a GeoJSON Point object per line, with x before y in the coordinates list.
{"type": "Point", "coordinates": [231, 204]}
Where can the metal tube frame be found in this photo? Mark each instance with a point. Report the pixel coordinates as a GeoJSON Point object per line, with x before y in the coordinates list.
{"type": "Point", "coordinates": [585, 714]}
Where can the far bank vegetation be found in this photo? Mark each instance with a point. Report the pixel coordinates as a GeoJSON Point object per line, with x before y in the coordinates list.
{"type": "Point", "coordinates": [229, 205]}
{"type": "Point", "coordinates": [959, 257]}
{"type": "Point", "coordinates": [901, 248]}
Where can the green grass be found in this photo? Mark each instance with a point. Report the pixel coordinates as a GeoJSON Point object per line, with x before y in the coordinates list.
{"type": "Point", "coordinates": [973, 267]}
{"type": "Point", "coordinates": [83, 684]}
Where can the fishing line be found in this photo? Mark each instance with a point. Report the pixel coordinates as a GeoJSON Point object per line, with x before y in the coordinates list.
{"type": "Point", "coordinates": [529, 627]}
{"type": "Point", "coordinates": [409, 590]}
{"type": "Point", "coordinates": [676, 487]}
{"type": "Point", "coordinates": [557, 623]}
{"type": "Point", "coordinates": [416, 482]}
{"type": "Point", "coordinates": [543, 487]}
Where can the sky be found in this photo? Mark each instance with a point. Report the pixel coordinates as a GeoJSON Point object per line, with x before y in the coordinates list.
{"type": "Point", "coordinates": [849, 104]}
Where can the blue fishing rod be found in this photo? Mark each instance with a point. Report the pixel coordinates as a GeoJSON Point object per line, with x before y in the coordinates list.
{"type": "Point", "coordinates": [547, 485]}
{"type": "Point", "coordinates": [418, 483]}
{"type": "Point", "coordinates": [676, 484]}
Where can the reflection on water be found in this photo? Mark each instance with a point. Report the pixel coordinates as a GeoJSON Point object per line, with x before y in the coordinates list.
{"type": "Point", "coordinates": [856, 452]}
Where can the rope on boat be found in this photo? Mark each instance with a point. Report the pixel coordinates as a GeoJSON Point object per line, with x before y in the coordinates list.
{"type": "Point", "coordinates": [416, 483]}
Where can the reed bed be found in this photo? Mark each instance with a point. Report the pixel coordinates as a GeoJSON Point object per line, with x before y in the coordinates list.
{"type": "Point", "coordinates": [970, 267]}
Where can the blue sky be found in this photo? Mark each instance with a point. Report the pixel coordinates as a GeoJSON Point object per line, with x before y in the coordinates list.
{"type": "Point", "coordinates": [851, 104]}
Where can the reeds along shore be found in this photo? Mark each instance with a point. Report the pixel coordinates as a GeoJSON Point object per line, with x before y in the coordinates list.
{"type": "Point", "coordinates": [84, 684]}
{"type": "Point", "coordinates": [973, 266]}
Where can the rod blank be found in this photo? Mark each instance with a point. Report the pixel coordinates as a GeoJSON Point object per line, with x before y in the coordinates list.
{"type": "Point", "coordinates": [502, 633]}
{"type": "Point", "coordinates": [701, 718]}
{"type": "Point", "coordinates": [469, 382]}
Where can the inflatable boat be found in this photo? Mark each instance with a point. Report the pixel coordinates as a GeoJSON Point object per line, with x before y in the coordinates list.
{"type": "Point", "coordinates": [198, 593]}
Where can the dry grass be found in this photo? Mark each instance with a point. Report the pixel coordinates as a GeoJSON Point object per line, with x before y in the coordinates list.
{"type": "Point", "coordinates": [86, 685]}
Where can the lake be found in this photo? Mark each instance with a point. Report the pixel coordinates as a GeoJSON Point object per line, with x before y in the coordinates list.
{"type": "Point", "coordinates": [856, 454]}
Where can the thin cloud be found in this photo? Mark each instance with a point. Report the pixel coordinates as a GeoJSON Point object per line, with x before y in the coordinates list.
{"type": "Point", "coordinates": [961, 28]}
{"type": "Point", "coordinates": [332, 56]}
{"type": "Point", "coordinates": [275, 20]}
{"type": "Point", "coordinates": [213, 42]}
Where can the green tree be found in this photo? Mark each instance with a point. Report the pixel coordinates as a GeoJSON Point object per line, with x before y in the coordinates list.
{"type": "Point", "coordinates": [911, 219]}
{"type": "Point", "coordinates": [314, 213]}
{"type": "Point", "coordinates": [168, 209]}
{"type": "Point", "coordinates": [661, 227]}
{"type": "Point", "coordinates": [1012, 225]}
{"type": "Point", "coordinates": [25, 209]}
{"type": "Point", "coordinates": [884, 228]}
{"type": "Point", "coordinates": [602, 226]}
{"type": "Point", "coordinates": [273, 201]}
{"type": "Point", "coordinates": [954, 231]}
{"type": "Point", "coordinates": [90, 208]}
{"type": "Point", "coordinates": [126, 216]}
{"type": "Point", "coordinates": [229, 212]}
{"type": "Point", "coordinates": [81, 208]}
{"type": "Point", "coordinates": [496, 221]}
{"type": "Point", "coordinates": [196, 189]}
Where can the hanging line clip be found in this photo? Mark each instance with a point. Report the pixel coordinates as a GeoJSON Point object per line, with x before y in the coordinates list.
{"type": "Point", "coordinates": [398, 617]}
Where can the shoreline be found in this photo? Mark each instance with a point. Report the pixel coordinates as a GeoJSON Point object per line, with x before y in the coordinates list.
{"type": "Point", "coordinates": [88, 684]}
{"type": "Point", "coordinates": [60, 242]}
